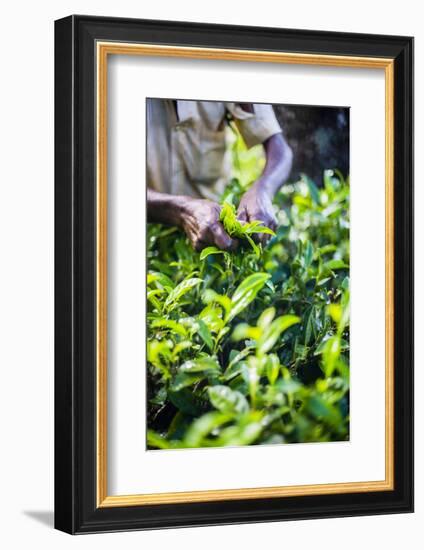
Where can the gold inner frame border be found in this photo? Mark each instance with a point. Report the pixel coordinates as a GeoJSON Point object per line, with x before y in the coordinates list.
{"type": "Point", "coordinates": [103, 50]}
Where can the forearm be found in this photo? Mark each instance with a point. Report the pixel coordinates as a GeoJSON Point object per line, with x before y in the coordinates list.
{"type": "Point", "coordinates": [279, 158]}
{"type": "Point", "coordinates": [164, 208]}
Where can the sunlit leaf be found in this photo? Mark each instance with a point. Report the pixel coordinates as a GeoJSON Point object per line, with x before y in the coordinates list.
{"type": "Point", "coordinates": [205, 334]}
{"type": "Point", "coordinates": [266, 318]}
{"type": "Point", "coordinates": [246, 293]}
{"type": "Point", "coordinates": [270, 336]}
{"type": "Point", "coordinates": [203, 426]}
{"type": "Point", "coordinates": [335, 264]}
{"type": "Point", "coordinates": [272, 368]}
{"type": "Point", "coordinates": [210, 250]}
{"type": "Point", "coordinates": [184, 380]}
{"type": "Point", "coordinates": [200, 364]}
{"type": "Point", "coordinates": [331, 354]}
{"type": "Point", "coordinates": [335, 311]}
{"type": "Point", "coordinates": [178, 292]}
{"type": "Point", "coordinates": [244, 331]}
{"type": "Point", "coordinates": [227, 400]}
{"type": "Point", "coordinates": [170, 325]}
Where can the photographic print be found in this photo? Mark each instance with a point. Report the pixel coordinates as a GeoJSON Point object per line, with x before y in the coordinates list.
{"type": "Point", "coordinates": [247, 273]}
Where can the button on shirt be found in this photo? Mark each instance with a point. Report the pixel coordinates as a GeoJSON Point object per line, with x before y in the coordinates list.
{"type": "Point", "coordinates": [186, 143]}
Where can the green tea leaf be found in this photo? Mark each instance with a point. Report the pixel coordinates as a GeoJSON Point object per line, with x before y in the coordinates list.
{"type": "Point", "coordinates": [205, 334]}
{"type": "Point", "coordinates": [335, 312]}
{"type": "Point", "coordinates": [161, 278]}
{"type": "Point", "coordinates": [313, 191]}
{"type": "Point", "coordinates": [184, 380]}
{"type": "Point", "coordinates": [200, 364]}
{"type": "Point", "coordinates": [178, 292]}
{"type": "Point", "coordinates": [210, 250]}
{"type": "Point", "coordinates": [270, 336]}
{"type": "Point", "coordinates": [170, 325]}
{"type": "Point", "coordinates": [266, 318]}
{"type": "Point", "coordinates": [235, 228]}
{"type": "Point", "coordinates": [210, 296]}
{"type": "Point", "coordinates": [257, 227]}
{"type": "Point", "coordinates": [203, 426]}
{"type": "Point", "coordinates": [239, 356]}
{"type": "Point", "coordinates": [244, 331]}
{"type": "Point", "coordinates": [246, 293]}
{"type": "Point", "coordinates": [308, 254]}
{"type": "Point", "coordinates": [309, 325]}
{"type": "Point", "coordinates": [157, 441]}
{"type": "Point", "coordinates": [226, 400]}
{"type": "Point", "coordinates": [330, 354]}
{"type": "Point", "coordinates": [272, 368]}
{"type": "Point", "coordinates": [335, 264]}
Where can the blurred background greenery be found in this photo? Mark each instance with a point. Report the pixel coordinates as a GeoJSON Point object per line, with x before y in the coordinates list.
{"type": "Point", "coordinates": [318, 136]}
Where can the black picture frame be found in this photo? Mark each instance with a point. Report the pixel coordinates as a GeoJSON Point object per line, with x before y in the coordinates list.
{"type": "Point", "coordinates": [76, 508]}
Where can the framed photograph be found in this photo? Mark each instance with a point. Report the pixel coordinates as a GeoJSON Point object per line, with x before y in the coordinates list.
{"type": "Point", "coordinates": [234, 274]}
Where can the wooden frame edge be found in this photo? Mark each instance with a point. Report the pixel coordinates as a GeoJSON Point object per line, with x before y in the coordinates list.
{"type": "Point", "coordinates": [390, 267]}
{"type": "Point", "coordinates": [101, 269]}
{"type": "Point", "coordinates": [103, 49]}
{"type": "Point", "coordinates": [244, 494]}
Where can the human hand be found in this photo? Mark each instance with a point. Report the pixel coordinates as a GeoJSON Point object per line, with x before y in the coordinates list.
{"type": "Point", "coordinates": [199, 218]}
{"type": "Point", "coordinates": [256, 204]}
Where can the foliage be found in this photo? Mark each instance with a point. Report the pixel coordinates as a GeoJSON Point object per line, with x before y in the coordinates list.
{"type": "Point", "coordinates": [252, 346]}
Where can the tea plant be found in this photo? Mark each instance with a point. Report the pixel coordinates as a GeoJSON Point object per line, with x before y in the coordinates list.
{"type": "Point", "coordinates": [252, 347]}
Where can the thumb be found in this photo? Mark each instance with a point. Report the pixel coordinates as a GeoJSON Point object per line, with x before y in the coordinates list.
{"type": "Point", "coordinates": [221, 238]}
{"type": "Point", "coordinates": [242, 215]}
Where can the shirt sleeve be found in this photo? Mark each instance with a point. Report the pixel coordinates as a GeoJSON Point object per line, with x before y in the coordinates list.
{"type": "Point", "coordinates": [255, 127]}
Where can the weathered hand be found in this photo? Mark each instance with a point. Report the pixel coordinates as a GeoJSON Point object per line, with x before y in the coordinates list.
{"type": "Point", "coordinates": [199, 218]}
{"type": "Point", "coordinates": [256, 204]}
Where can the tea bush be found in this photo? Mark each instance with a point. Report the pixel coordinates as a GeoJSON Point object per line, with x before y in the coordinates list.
{"type": "Point", "coordinates": [252, 347]}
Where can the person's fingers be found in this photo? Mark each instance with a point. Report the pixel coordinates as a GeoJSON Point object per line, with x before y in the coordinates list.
{"type": "Point", "coordinates": [242, 214]}
{"type": "Point", "coordinates": [273, 224]}
{"type": "Point", "coordinates": [259, 238]}
{"type": "Point", "coordinates": [264, 239]}
{"type": "Point", "coordinates": [199, 245]}
{"type": "Point", "coordinates": [221, 238]}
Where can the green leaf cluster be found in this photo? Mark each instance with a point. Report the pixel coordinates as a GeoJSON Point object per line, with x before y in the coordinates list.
{"type": "Point", "coordinates": [252, 347]}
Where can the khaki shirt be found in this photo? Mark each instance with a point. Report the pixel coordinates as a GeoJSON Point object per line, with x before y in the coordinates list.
{"type": "Point", "coordinates": [186, 145]}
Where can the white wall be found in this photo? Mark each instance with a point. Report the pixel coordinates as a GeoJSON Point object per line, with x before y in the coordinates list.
{"type": "Point", "coordinates": [26, 274]}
